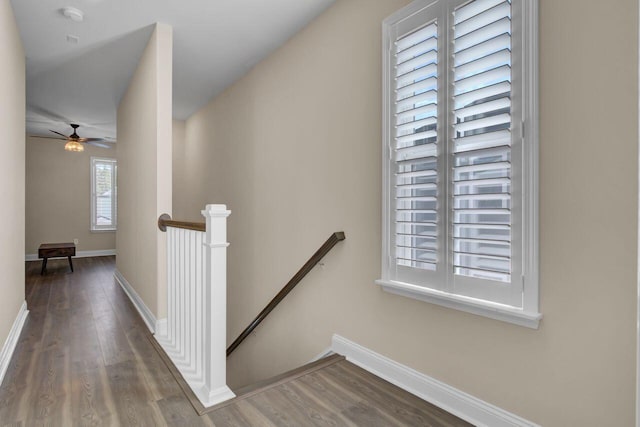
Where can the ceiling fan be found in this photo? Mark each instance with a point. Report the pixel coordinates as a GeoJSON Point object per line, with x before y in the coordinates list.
{"type": "Point", "coordinates": [75, 143]}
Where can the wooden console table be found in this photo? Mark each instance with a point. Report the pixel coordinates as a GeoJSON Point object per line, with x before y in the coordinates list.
{"type": "Point", "coordinates": [56, 250]}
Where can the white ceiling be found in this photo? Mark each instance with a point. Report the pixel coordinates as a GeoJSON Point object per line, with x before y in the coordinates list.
{"type": "Point", "coordinates": [215, 43]}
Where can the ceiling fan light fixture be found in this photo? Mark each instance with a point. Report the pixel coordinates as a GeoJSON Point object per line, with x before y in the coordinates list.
{"type": "Point", "coordinates": [74, 146]}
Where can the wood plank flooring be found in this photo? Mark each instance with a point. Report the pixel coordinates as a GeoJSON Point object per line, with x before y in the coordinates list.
{"type": "Point", "coordinates": [85, 358]}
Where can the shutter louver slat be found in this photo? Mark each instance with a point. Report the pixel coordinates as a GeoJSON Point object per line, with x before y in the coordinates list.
{"type": "Point", "coordinates": [480, 246]}
{"type": "Point", "coordinates": [423, 60]}
{"type": "Point", "coordinates": [416, 88]}
{"type": "Point", "coordinates": [423, 163]}
{"type": "Point", "coordinates": [482, 19]}
{"type": "Point", "coordinates": [416, 264]}
{"type": "Point", "coordinates": [474, 8]}
{"type": "Point", "coordinates": [478, 125]}
{"type": "Point", "coordinates": [417, 50]}
{"type": "Point", "coordinates": [415, 254]}
{"type": "Point", "coordinates": [405, 187]}
{"type": "Point", "coordinates": [431, 225]}
{"type": "Point", "coordinates": [482, 49]}
{"type": "Point", "coordinates": [474, 96]}
{"type": "Point", "coordinates": [484, 64]}
{"type": "Point", "coordinates": [417, 37]}
{"type": "Point", "coordinates": [483, 34]}
{"type": "Point", "coordinates": [487, 107]}
{"type": "Point", "coordinates": [416, 148]}
{"type": "Point", "coordinates": [489, 166]}
{"type": "Point", "coordinates": [416, 174]}
{"type": "Point", "coordinates": [485, 79]}
{"type": "Point", "coordinates": [485, 232]}
{"type": "Point", "coordinates": [422, 199]}
{"type": "Point", "coordinates": [498, 153]}
{"type": "Point", "coordinates": [483, 141]}
{"type": "Point", "coordinates": [411, 77]}
{"type": "Point", "coordinates": [481, 208]}
{"type": "Point", "coordinates": [497, 196]}
{"type": "Point", "coordinates": [430, 97]}
{"type": "Point", "coordinates": [416, 152]}
{"type": "Point", "coordinates": [415, 113]}
{"type": "Point", "coordinates": [403, 140]}
{"type": "Point", "coordinates": [412, 126]}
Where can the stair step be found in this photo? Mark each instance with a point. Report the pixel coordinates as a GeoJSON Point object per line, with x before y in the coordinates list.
{"type": "Point", "coordinates": [263, 385]}
{"type": "Point", "coordinates": [244, 392]}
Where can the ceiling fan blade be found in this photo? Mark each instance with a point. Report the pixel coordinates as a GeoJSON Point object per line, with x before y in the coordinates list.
{"type": "Point", "coordinates": [106, 141]}
{"type": "Point", "coordinates": [61, 134]}
{"type": "Point", "coordinates": [97, 144]}
{"type": "Point", "coordinates": [48, 137]}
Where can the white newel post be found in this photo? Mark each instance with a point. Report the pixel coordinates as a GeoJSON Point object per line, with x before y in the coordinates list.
{"type": "Point", "coordinates": [216, 298]}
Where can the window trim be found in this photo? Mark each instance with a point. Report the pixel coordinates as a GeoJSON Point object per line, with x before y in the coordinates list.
{"type": "Point", "coordinates": [529, 315]}
{"type": "Point", "coordinates": [94, 228]}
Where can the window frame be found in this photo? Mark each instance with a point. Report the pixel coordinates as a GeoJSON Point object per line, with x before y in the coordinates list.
{"type": "Point", "coordinates": [94, 227]}
{"type": "Point", "coordinates": [528, 315]}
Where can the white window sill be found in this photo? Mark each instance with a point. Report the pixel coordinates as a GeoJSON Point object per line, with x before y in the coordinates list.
{"type": "Point", "coordinates": [469, 305]}
{"type": "Point", "coordinates": [103, 230]}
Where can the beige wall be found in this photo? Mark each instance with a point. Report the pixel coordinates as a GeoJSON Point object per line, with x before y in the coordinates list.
{"type": "Point", "coordinates": [144, 171]}
{"type": "Point", "coordinates": [58, 196]}
{"type": "Point", "coordinates": [294, 149]}
{"type": "Point", "coordinates": [12, 123]}
{"type": "Point", "coordinates": [191, 165]}
{"type": "Point", "coordinates": [182, 195]}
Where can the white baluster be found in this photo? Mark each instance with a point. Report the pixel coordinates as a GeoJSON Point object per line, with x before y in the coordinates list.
{"type": "Point", "coordinates": [200, 303]}
{"type": "Point", "coordinates": [171, 285]}
{"type": "Point", "coordinates": [174, 280]}
{"type": "Point", "coordinates": [188, 296]}
{"type": "Point", "coordinates": [183, 288]}
{"type": "Point", "coordinates": [196, 321]}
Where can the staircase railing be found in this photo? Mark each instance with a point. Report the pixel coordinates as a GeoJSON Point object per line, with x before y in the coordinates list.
{"type": "Point", "coordinates": [195, 334]}
{"type": "Point", "coordinates": [306, 268]}
{"type": "Point", "coordinates": [196, 326]}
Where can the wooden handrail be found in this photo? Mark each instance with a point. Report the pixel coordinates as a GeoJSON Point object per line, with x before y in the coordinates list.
{"type": "Point", "coordinates": [306, 268]}
{"type": "Point", "coordinates": [165, 221]}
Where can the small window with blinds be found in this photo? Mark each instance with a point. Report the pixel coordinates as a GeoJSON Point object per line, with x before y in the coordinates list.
{"type": "Point", "coordinates": [103, 194]}
{"type": "Point", "coordinates": [460, 172]}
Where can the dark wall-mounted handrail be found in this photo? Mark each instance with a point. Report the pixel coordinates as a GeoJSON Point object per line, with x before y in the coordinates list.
{"type": "Point", "coordinates": [165, 221]}
{"type": "Point", "coordinates": [306, 268]}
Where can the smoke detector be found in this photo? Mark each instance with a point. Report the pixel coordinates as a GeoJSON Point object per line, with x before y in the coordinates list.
{"type": "Point", "coordinates": [76, 15]}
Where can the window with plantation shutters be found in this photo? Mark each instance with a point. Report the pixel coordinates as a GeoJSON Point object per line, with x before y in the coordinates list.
{"type": "Point", "coordinates": [103, 194]}
{"type": "Point", "coordinates": [460, 172]}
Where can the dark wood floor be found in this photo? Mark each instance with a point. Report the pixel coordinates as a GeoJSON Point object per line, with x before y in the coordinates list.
{"type": "Point", "coordinates": [85, 359]}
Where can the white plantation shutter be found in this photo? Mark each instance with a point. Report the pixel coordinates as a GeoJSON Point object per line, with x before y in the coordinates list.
{"type": "Point", "coordinates": [459, 220]}
{"type": "Point", "coordinates": [416, 148]}
{"type": "Point", "coordinates": [482, 139]}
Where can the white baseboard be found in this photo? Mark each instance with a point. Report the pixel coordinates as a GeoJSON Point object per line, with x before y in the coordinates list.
{"type": "Point", "coordinates": [12, 340]}
{"type": "Point", "coordinates": [142, 308]}
{"type": "Point", "coordinates": [209, 398]}
{"type": "Point", "coordinates": [459, 403]}
{"type": "Point", "coordinates": [161, 327]}
{"type": "Point", "coordinates": [79, 254]}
